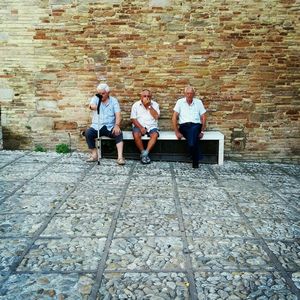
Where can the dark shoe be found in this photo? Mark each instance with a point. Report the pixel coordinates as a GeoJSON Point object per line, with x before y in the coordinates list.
{"type": "Point", "coordinates": [195, 165]}
{"type": "Point", "coordinates": [145, 160]}
{"type": "Point", "coordinates": [148, 160]}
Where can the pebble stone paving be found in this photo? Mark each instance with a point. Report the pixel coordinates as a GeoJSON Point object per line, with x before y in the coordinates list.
{"type": "Point", "coordinates": [75, 230]}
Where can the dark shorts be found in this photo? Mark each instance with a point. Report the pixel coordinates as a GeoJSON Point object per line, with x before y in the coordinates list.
{"type": "Point", "coordinates": [91, 134]}
{"type": "Point", "coordinates": [148, 133]}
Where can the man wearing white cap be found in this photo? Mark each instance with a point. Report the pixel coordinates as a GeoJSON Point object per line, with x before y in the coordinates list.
{"type": "Point", "coordinates": [108, 123]}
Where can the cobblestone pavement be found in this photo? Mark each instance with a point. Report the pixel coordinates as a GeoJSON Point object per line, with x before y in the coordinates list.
{"type": "Point", "coordinates": [74, 230]}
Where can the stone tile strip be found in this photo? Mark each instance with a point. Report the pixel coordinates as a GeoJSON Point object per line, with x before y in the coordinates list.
{"type": "Point", "coordinates": [186, 251]}
{"type": "Point", "coordinates": [45, 223]}
{"type": "Point", "coordinates": [27, 180]}
{"type": "Point", "coordinates": [12, 161]}
{"type": "Point", "coordinates": [261, 240]}
{"type": "Point", "coordinates": [110, 235]}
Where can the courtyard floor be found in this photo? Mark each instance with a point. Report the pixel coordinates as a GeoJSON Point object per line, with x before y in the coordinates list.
{"type": "Point", "coordinates": [75, 230]}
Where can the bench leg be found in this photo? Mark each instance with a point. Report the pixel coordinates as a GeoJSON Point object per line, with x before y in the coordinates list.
{"type": "Point", "coordinates": [221, 153]}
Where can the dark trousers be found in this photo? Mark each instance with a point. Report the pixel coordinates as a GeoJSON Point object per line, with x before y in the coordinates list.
{"type": "Point", "coordinates": [91, 134]}
{"type": "Point", "coordinates": [191, 131]}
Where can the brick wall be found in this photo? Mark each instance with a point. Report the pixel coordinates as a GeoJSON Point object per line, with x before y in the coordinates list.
{"type": "Point", "coordinates": [241, 56]}
{"type": "Point", "coordinates": [1, 135]}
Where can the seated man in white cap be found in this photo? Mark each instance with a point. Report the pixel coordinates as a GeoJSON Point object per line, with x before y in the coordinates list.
{"type": "Point", "coordinates": [108, 122]}
{"type": "Point", "coordinates": [144, 117]}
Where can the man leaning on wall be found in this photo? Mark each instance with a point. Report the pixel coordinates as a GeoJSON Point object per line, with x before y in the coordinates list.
{"type": "Point", "coordinates": [189, 121]}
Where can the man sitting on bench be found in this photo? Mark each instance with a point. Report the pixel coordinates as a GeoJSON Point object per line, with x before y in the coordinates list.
{"type": "Point", "coordinates": [144, 117]}
{"type": "Point", "coordinates": [106, 122]}
{"type": "Point", "coordinates": [189, 112]}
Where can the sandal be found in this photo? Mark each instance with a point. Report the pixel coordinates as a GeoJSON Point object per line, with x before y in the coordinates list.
{"type": "Point", "coordinates": [121, 161]}
{"type": "Point", "coordinates": [91, 159]}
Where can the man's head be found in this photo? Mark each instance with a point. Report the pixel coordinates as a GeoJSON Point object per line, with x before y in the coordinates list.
{"type": "Point", "coordinates": [189, 93]}
{"type": "Point", "coordinates": [146, 97]}
{"type": "Point", "coordinates": [103, 89]}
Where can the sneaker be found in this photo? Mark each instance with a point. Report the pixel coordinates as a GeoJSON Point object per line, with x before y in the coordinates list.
{"type": "Point", "coordinates": [145, 160]}
{"type": "Point", "coordinates": [121, 161]}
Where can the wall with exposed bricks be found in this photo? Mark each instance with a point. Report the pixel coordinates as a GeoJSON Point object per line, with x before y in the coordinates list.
{"type": "Point", "coordinates": [242, 57]}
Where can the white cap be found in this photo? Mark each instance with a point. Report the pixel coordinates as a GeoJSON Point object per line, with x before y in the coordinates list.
{"type": "Point", "coordinates": [103, 86]}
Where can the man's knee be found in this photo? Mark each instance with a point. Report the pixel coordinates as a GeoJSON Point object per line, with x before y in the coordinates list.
{"type": "Point", "coordinates": [90, 133]}
{"type": "Point", "coordinates": [119, 138]}
{"type": "Point", "coordinates": [137, 134]}
{"type": "Point", "coordinates": [154, 135]}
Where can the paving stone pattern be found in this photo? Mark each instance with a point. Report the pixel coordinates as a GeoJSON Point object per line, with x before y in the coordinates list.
{"type": "Point", "coordinates": [74, 230]}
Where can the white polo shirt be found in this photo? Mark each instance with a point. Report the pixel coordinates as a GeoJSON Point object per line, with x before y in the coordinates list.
{"type": "Point", "coordinates": [143, 115]}
{"type": "Point", "coordinates": [189, 113]}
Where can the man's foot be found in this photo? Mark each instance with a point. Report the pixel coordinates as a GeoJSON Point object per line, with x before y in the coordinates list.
{"type": "Point", "coordinates": [121, 161]}
{"type": "Point", "coordinates": [145, 160]}
{"type": "Point", "coordinates": [91, 159]}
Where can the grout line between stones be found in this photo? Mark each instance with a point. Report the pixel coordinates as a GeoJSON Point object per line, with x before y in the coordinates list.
{"type": "Point", "coordinates": [36, 235]}
{"type": "Point", "coordinates": [284, 273]}
{"type": "Point", "coordinates": [189, 268]}
{"type": "Point", "coordinates": [27, 180]}
{"type": "Point", "coordinates": [13, 161]}
{"type": "Point", "coordinates": [110, 235]}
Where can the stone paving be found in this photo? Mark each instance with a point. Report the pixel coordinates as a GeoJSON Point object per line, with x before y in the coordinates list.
{"type": "Point", "coordinates": [73, 230]}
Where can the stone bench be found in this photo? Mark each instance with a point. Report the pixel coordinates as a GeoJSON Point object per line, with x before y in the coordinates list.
{"type": "Point", "coordinates": [170, 135]}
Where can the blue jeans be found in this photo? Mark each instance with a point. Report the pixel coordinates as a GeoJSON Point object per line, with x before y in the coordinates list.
{"type": "Point", "coordinates": [91, 134]}
{"type": "Point", "coordinates": [191, 131]}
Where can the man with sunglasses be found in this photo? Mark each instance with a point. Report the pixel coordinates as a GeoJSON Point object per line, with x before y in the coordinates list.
{"type": "Point", "coordinates": [189, 112]}
{"type": "Point", "coordinates": [144, 117]}
{"type": "Point", "coordinates": [107, 121]}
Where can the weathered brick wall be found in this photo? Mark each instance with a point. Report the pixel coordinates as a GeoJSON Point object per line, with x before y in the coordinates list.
{"type": "Point", "coordinates": [241, 56]}
{"type": "Point", "coordinates": [1, 135]}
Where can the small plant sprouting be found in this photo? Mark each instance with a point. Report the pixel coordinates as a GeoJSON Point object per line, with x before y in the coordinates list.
{"type": "Point", "coordinates": [62, 148]}
{"type": "Point", "coordinates": [39, 148]}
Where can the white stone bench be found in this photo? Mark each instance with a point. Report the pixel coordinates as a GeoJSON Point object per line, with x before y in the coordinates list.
{"type": "Point", "coordinates": [170, 135]}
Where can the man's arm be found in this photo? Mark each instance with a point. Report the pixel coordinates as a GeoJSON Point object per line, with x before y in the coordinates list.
{"type": "Point", "coordinates": [137, 124]}
{"type": "Point", "coordinates": [203, 121]}
{"type": "Point", "coordinates": [116, 128]}
{"type": "Point", "coordinates": [175, 125]}
{"type": "Point", "coordinates": [153, 112]}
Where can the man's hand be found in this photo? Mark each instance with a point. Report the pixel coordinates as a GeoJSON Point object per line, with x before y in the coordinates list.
{"type": "Point", "coordinates": [116, 130]}
{"type": "Point", "coordinates": [178, 135]}
{"type": "Point", "coordinates": [143, 130]}
{"type": "Point", "coordinates": [201, 134]}
{"type": "Point", "coordinates": [147, 102]}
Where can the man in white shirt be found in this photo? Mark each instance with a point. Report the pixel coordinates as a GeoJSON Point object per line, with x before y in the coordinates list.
{"type": "Point", "coordinates": [189, 113]}
{"type": "Point", "coordinates": [144, 117]}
